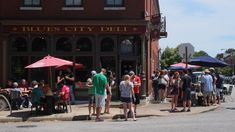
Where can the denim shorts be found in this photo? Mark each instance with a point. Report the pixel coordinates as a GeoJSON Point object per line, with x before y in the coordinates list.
{"type": "Point", "coordinates": [91, 99]}
{"type": "Point", "coordinates": [187, 94]}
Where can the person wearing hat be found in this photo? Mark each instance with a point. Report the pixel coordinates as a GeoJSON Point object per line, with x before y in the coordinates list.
{"type": "Point", "coordinates": [212, 73]}
{"type": "Point", "coordinates": [15, 95]}
{"type": "Point", "coordinates": [37, 94]}
{"type": "Point", "coordinates": [91, 93]}
{"type": "Point", "coordinates": [207, 87]}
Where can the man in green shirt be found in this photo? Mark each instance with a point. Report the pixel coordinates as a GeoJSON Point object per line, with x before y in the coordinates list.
{"type": "Point", "coordinates": [100, 83]}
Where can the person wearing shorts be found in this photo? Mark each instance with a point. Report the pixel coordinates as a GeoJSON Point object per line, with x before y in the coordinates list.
{"type": "Point", "coordinates": [91, 94]}
{"type": "Point", "coordinates": [186, 84]}
{"type": "Point", "coordinates": [137, 83]}
{"type": "Point", "coordinates": [100, 83]}
{"type": "Point", "coordinates": [127, 94]}
{"type": "Point", "coordinates": [207, 87]}
{"type": "Point", "coordinates": [162, 83]}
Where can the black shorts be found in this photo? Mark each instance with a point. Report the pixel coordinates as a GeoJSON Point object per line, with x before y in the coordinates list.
{"type": "Point", "coordinates": [137, 99]}
{"type": "Point", "coordinates": [162, 86]}
{"type": "Point", "coordinates": [126, 99]}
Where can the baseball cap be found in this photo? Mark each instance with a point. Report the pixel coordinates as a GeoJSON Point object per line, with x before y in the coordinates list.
{"type": "Point", "coordinates": [131, 73]}
{"type": "Point", "coordinates": [93, 72]}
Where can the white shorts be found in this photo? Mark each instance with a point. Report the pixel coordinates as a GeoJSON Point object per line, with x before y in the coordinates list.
{"type": "Point", "coordinates": [100, 100]}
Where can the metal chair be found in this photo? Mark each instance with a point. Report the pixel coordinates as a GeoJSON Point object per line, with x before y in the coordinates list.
{"type": "Point", "coordinates": [15, 97]}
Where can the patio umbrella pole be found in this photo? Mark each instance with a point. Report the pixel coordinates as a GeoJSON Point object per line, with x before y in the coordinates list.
{"type": "Point", "coordinates": [50, 77]}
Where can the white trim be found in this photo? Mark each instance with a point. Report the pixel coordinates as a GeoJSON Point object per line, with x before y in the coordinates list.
{"type": "Point", "coordinates": [115, 8]}
{"type": "Point", "coordinates": [72, 8]}
{"type": "Point", "coordinates": [31, 8]}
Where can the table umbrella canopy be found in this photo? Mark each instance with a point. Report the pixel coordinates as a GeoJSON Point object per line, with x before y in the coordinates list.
{"type": "Point", "coordinates": [181, 66]}
{"type": "Point", "coordinates": [76, 66]}
{"type": "Point", "coordinates": [207, 61]}
{"type": "Point", "coordinates": [49, 61]}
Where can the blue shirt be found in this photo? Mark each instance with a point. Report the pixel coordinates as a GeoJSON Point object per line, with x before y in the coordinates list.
{"type": "Point", "coordinates": [207, 83]}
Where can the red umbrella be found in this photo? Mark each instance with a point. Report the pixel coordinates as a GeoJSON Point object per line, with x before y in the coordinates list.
{"type": "Point", "coordinates": [49, 61]}
{"type": "Point", "coordinates": [183, 65]}
{"type": "Point", "coordinates": [76, 66]}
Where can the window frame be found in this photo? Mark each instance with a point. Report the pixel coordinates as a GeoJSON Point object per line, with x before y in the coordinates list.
{"type": "Point", "coordinates": [73, 4]}
{"type": "Point", "coordinates": [32, 4]}
{"type": "Point", "coordinates": [114, 5]}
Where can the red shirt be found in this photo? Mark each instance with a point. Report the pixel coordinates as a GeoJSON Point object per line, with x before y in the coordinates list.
{"type": "Point", "coordinates": [65, 90]}
{"type": "Point", "coordinates": [137, 83]}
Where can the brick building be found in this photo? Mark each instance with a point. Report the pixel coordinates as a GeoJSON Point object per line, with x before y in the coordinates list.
{"type": "Point", "coordinates": [121, 35]}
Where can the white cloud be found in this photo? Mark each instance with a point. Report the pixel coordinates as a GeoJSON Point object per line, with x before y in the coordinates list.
{"type": "Point", "coordinates": [207, 24]}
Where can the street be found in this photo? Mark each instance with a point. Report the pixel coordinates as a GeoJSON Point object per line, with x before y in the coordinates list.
{"type": "Point", "coordinates": [221, 119]}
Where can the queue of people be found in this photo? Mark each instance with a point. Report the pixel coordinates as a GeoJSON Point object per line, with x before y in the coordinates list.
{"type": "Point", "coordinates": [100, 91]}
{"type": "Point", "coordinates": [180, 85]}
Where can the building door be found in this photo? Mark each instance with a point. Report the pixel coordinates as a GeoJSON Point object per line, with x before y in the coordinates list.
{"type": "Point", "coordinates": [127, 66]}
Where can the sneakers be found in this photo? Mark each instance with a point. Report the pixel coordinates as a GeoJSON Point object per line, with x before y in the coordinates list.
{"type": "Point", "coordinates": [183, 110]}
{"type": "Point", "coordinates": [164, 101]}
{"type": "Point", "coordinates": [99, 120]}
{"type": "Point", "coordinates": [21, 107]}
{"type": "Point", "coordinates": [188, 110]}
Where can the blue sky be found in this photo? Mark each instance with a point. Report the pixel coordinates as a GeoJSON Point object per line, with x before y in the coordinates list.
{"type": "Point", "coordinates": [209, 25]}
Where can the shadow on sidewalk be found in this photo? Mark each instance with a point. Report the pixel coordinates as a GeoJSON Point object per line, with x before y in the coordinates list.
{"type": "Point", "coordinates": [81, 117]}
{"type": "Point", "coordinates": [20, 114]}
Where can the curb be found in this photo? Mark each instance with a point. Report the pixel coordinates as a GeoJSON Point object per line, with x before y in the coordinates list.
{"type": "Point", "coordinates": [86, 117]}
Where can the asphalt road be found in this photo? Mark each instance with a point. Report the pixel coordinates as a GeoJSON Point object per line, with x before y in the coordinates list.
{"type": "Point", "coordinates": [219, 120]}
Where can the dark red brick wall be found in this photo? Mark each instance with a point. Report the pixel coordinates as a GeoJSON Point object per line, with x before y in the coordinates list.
{"type": "Point", "coordinates": [52, 9]}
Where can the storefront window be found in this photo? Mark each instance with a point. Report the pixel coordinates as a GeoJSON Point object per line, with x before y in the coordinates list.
{"type": "Point", "coordinates": [83, 74]}
{"type": "Point", "coordinates": [114, 3]}
{"type": "Point", "coordinates": [19, 45]}
{"type": "Point", "coordinates": [127, 47]}
{"type": "Point", "coordinates": [84, 44]}
{"type": "Point", "coordinates": [107, 45]}
{"type": "Point", "coordinates": [17, 67]}
{"type": "Point", "coordinates": [63, 44]}
{"type": "Point", "coordinates": [39, 44]}
{"type": "Point", "coordinates": [130, 45]}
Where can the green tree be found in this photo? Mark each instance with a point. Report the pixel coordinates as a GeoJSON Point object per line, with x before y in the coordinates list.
{"type": "Point", "coordinates": [226, 70]}
{"type": "Point", "coordinates": [199, 53]}
{"type": "Point", "coordinates": [169, 56]}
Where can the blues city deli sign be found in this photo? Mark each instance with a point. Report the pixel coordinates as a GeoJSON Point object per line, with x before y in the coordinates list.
{"type": "Point", "coordinates": [73, 29]}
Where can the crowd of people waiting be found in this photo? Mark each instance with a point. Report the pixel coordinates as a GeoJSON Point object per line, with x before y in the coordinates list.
{"type": "Point", "coordinates": [180, 85]}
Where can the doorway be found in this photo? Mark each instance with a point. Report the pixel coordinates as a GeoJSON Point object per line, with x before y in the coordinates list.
{"type": "Point", "coordinates": [127, 66]}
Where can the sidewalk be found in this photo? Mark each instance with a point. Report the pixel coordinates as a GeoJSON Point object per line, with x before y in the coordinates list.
{"type": "Point", "coordinates": [80, 112]}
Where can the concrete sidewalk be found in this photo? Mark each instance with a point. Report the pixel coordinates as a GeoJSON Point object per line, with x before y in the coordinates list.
{"type": "Point", "coordinates": [80, 112]}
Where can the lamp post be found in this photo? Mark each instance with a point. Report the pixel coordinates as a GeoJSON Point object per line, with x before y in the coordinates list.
{"type": "Point", "coordinates": [159, 56]}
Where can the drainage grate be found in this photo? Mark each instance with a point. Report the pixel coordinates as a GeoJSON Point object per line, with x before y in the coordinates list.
{"type": "Point", "coordinates": [26, 126]}
{"type": "Point", "coordinates": [230, 108]}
